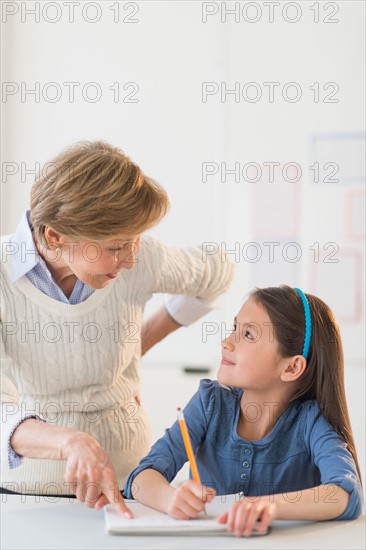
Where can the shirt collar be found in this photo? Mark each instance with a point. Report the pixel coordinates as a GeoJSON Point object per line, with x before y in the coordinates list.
{"type": "Point", "coordinates": [25, 256]}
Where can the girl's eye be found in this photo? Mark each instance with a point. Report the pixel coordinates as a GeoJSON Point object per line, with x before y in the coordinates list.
{"type": "Point", "coordinates": [248, 335]}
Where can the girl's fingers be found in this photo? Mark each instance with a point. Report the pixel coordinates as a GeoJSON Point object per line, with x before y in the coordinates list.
{"type": "Point", "coordinates": [189, 499]}
{"type": "Point", "coordinates": [241, 518]}
{"type": "Point", "coordinates": [267, 517]}
{"type": "Point", "coordinates": [191, 504]}
{"type": "Point", "coordinates": [251, 519]}
{"type": "Point", "coordinates": [208, 494]}
{"type": "Point", "coordinates": [222, 518]}
{"type": "Point", "coordinates": [187, 510]}
{"type": "Point", "coordinates": [195, 494]}
{"type": "Point", "coordinates": [202, 492]}
{"type": "Point", "coordinates": [248, 517]}
{"type": "Point", "coordinates": [232, 515]}
{"type": "Point", "coordinates": [181, 509]}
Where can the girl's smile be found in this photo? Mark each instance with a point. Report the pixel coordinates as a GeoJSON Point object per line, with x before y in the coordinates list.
{"type": "Point", "coordinates": [226, 361]}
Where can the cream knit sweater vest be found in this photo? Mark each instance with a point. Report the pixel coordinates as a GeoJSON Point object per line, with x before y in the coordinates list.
{"type": "Point", "coordinates": [78, 365]}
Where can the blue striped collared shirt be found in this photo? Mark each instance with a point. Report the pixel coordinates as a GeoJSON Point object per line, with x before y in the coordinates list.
{"type": "Point", "coordinates": [27, 261]}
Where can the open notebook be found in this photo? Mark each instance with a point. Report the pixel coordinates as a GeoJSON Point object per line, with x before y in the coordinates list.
{"type": "Point", "coordinates": [148, 521]}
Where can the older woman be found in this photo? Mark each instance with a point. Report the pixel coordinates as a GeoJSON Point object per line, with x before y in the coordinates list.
{"type": "Point", "coordinates": [75, 279]}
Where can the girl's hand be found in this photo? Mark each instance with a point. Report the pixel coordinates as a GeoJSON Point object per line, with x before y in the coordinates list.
{"type": "Point", "coordinates": [243, 516]}
{"type": "Point", "coordinates": [90, 474]}
{"type": "Point", "coordinates": [189, 499]}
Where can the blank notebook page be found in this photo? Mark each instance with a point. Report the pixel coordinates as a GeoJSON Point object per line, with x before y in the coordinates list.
{"type": "Point", "coordinates": [146, 520]}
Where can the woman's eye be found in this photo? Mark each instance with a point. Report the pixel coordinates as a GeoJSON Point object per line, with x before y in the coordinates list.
{"type": "Point", "coordinates": [247, 335]}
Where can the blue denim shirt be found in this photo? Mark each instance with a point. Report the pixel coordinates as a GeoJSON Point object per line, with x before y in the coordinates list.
{"type": "Point", "coordinates": [302, 450]}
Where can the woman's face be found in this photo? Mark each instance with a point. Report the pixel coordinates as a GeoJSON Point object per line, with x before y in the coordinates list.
{"type": "Point", "coordinates": [95, 263]}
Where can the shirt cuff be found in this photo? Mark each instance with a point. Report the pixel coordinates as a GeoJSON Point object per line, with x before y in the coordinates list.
{"type": "Point", "coordinates": [14, 459]}
{"type": "Point", "coordinates": [185, 310]}
{"type": "Point", "coordinates": [160, 465]}
{"type": "Point", "coordinates": [350, 483]}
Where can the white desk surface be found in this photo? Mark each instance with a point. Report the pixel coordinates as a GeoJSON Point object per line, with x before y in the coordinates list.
{"type": "Point", "coordinates": [38, 523]}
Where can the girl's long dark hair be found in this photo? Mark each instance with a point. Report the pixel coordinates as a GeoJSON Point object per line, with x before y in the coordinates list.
{"type": "Point", "coordinates": [323, 378]}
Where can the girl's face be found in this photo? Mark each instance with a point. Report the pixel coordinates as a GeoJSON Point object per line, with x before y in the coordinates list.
{"type": "Point", "coordinates": [250, 356]}
{"type": "Point", "coordinates": [96, 263]}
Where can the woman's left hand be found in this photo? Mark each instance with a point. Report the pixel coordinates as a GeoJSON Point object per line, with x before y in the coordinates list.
{"type": "Point", "coordinates": [243, 516]}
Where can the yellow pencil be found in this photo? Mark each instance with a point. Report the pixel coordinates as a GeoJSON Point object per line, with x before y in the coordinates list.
{"type": "Point", "coordinates": [188, 447]}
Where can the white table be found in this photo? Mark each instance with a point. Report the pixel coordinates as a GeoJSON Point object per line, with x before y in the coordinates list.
{"type": "Point", "coordinates": [38, 523]}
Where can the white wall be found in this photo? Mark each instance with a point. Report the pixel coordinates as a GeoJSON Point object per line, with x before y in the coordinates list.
{"type": "Point", "coordinates": [168, 53]}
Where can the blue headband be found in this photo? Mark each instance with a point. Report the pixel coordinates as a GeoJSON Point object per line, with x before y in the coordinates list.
{"type": "Point", "coordinates": [308, 324]}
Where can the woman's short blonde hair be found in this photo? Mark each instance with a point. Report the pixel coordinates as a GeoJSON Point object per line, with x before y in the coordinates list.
{"type": "Point", "coordinates": [93, 191]}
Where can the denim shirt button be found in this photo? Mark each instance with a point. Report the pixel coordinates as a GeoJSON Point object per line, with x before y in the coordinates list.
{"type": "Point", "coordinates": [243, 476]}
{"type": "Point", "coordinates": [246, 464]}
{"type": "Point", "coordinates": [247, 451]}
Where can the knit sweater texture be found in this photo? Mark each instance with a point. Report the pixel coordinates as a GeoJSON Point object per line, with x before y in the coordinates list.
{"type": "Point", "coordinates": [77, 366]}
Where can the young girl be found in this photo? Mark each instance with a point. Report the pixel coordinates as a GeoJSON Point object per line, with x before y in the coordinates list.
{"type": "Point", "coordinates": [275, 425]}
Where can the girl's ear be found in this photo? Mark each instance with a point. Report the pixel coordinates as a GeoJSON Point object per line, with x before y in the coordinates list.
{"type": "Point", "coordinates": [294, 368]}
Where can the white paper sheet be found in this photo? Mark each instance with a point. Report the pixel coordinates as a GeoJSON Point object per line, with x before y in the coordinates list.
{"type": "Point", "coordinates": [148, 521]}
